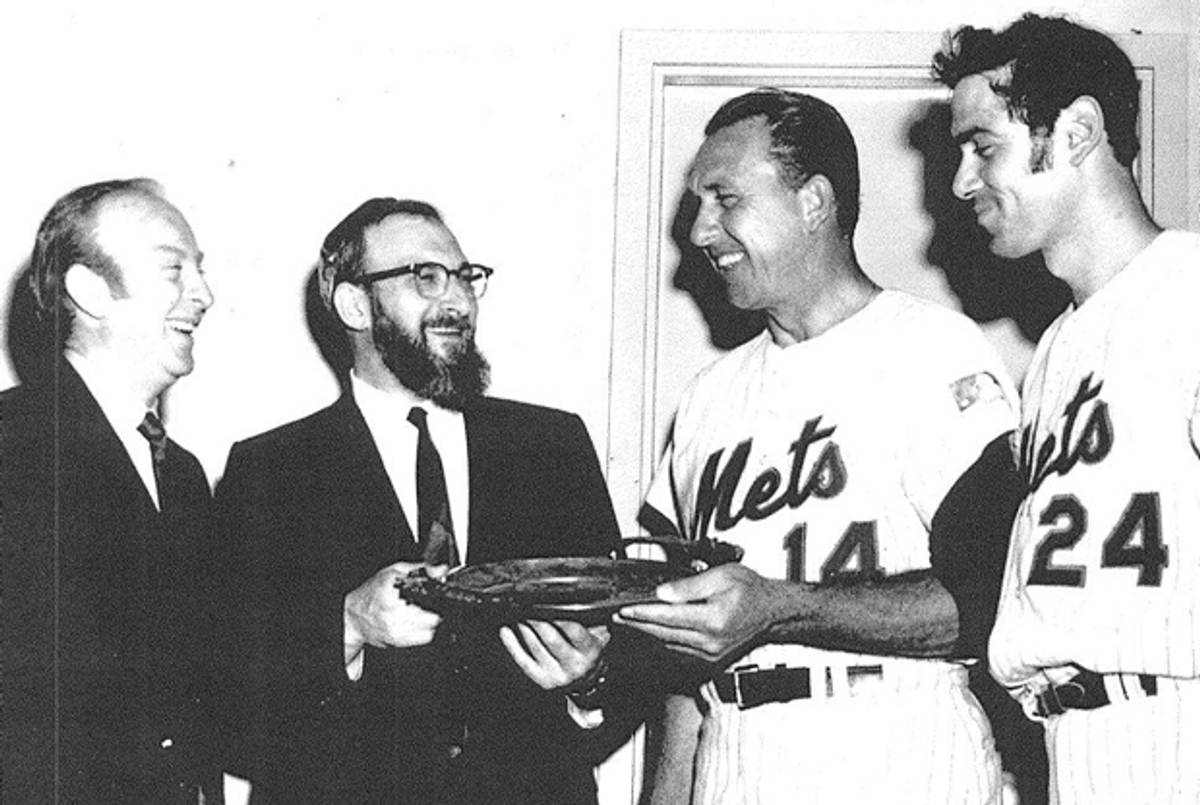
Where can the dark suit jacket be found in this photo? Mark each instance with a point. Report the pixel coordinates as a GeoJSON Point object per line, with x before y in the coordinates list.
{"type": "Point", "coordinates": [310, 515]}
{"type": "Point", "coordinates": [105, 608]}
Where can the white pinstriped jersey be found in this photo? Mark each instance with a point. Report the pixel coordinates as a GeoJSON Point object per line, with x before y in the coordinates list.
{"type": "Point", "coordinates": [831, 457]}
{"type": "Point", "coordinates": [1104, 566]}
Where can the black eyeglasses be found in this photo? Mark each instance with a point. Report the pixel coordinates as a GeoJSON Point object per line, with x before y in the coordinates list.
{"type": "Point", "coordinates": [433, 279]}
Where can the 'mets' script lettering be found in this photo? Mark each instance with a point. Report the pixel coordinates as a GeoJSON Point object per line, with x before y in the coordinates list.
{"type": "Point", "coordinates": [767, 493]}
{"type": "Point", "coordinates": [1062, 451]}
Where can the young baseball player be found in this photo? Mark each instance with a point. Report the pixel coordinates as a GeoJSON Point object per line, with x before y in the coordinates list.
{"type": "Point", "coordinates": [837, 449]}
{"type": "Point", "coordinates": [1097, 628]}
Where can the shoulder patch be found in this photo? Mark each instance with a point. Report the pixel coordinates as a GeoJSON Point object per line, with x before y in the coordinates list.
{"type": "Point", "coordinates": [979, 387]}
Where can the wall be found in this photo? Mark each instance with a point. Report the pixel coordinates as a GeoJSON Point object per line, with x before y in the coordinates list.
{"type": "Point", "coordinates": [267, 124]}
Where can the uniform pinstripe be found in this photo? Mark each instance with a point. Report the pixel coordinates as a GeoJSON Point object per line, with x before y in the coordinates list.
{"type": "Point", "coordinates": [1104, 568]}
{"type": "Point", "coordinates": [924, 742]}
{"type": "Point", "coordinates": [831, 457]}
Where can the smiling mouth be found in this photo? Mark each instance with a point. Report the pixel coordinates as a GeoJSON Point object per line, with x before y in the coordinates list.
{"type": "Point", "coordinates": [725, 262]}
{"type": "Point", "coordinates": [448, 332]}
{"type": "Point", "coordinates": [983, 211]}
{"type": "Point", "coordinates": [185, 326]}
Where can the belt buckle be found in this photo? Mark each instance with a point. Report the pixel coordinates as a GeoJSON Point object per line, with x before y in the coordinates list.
{"type": "Point", "coordinates": [1048, 703]}
{"type": "Point", "coordinates": [738, 673]}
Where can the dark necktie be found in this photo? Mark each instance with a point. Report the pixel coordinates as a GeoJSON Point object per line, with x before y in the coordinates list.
{"type": "Point", "coordinates": [152, 428]}
{"type": "Point", "coordinates": [435, 532]}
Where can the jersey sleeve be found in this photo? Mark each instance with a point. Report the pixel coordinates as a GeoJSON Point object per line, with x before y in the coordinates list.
{"type": "Point", "coordinates": [659, 514]}
{"type": "Point", "coordinates": [960, 475]}
{"type": "Point", "coordinates": [962, 401]}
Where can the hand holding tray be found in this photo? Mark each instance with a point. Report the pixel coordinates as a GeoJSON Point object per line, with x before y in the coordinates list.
{"type": "Point", "coordinates": [583, 589]}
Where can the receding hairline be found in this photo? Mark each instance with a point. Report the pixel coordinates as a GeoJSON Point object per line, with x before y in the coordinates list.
{"type": "Point", "coordinates": [145, 201]}
{"type": "Point", "coordinates": [765, 128]}
{"type": "Point", "coordinates": [409, 222]}
{"type": "Point", "coordinates": [415, 216]}
{"type": "Point", "coordinates": [408, 219]}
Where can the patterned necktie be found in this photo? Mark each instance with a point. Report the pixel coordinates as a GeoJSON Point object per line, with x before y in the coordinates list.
{"type": "Point", "coordinates": [435, 532]}
{"type": "Point", "coordinates": [152, 428]}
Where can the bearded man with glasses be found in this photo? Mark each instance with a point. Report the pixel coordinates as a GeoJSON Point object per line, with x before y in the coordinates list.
{"type": "Point", "coordinates": [343, 692]}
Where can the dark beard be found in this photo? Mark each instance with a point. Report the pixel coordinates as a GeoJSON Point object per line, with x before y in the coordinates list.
{"type": "Point", "coordinates": [451, 383]}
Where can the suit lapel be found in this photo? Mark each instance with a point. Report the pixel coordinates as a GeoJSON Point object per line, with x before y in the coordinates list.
{"type": "Point", "coordinates": [186, 486]}
{"type": "Point", "coordinates": [111, 544]}
{"type": "Point", "coordinates": [478, 456]}
{"type": "Point", "coordinates": [486, 460]}
{"type": "Point", "coordinates": [86, 439]}
{"type": "Point", "coordinates": [366, 480]}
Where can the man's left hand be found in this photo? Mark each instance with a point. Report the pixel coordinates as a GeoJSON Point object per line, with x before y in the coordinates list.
{"type": "Point", "coordinates": [712, 615]}
{"type": "Point", "coordinates": [555, 654]}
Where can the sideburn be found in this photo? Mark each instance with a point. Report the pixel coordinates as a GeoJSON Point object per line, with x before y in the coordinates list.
{"type": "Point", "coordinates": [1041, 156]}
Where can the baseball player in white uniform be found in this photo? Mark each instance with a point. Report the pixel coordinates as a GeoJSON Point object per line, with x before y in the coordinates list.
{"type": "Point", "coordinates": [826, 448]}
{"type": "Point", "coordinates": [1097, 629]}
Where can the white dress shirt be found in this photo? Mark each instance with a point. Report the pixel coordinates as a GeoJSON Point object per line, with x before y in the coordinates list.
{"type": "Point", "coordinates": [386, 414]}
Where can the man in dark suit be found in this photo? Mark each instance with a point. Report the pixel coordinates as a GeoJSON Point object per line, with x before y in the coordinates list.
{"type": "Point", "coordinates": [105, 520]}
{"type": "Point", "coordinates": [346, 693]}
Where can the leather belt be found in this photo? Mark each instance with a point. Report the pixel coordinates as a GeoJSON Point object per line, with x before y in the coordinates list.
{"type": "Point", "coordinates": [749, 685]}
{"type": "Point", "coordinates": [1085, 691]}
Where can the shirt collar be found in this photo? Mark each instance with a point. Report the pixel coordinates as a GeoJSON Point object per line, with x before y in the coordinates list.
{"type": "Point", "coordinates": [377, 404]}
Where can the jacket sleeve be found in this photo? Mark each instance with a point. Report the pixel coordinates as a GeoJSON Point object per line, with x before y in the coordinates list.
{"type": "Point", "coordinates": [598, 522]}
{"type": "Point", "coordinates": [280, 645]}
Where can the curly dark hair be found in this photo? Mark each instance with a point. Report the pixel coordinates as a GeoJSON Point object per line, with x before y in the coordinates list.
{"type": "Point", "coordinates": [1042, 65]}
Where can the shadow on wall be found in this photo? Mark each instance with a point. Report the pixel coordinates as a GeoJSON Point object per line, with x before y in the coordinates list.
{"type": "Point", "coordinates": [327, 332]}
{"type": "Point", "coordinates": [727, 325]}
{"type": "Point", "coordinates": [989, 288]}
{"type": "Point", "coordinates": [32, 347]}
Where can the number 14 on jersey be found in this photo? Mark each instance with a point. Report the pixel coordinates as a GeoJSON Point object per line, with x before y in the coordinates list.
{"type": "Point", "coordinates": [855, 554]}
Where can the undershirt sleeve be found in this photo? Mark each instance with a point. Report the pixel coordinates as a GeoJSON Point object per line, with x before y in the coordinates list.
{"type": "Point", "coordinates": [968, 541]}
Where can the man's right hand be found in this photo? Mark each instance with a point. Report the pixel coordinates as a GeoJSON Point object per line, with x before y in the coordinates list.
{"type": "Point", "coordinates": [374, 614]}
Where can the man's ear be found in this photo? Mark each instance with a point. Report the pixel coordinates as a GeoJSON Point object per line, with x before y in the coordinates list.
{"type": "Point", "coordinates": [88, 291]}
{"type": "Point", "coordinates": [1082, 123]}
{"type": "Point", "coordinates": [352, 306]}
{"type": "Point", "coordinates": [817, 201]}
